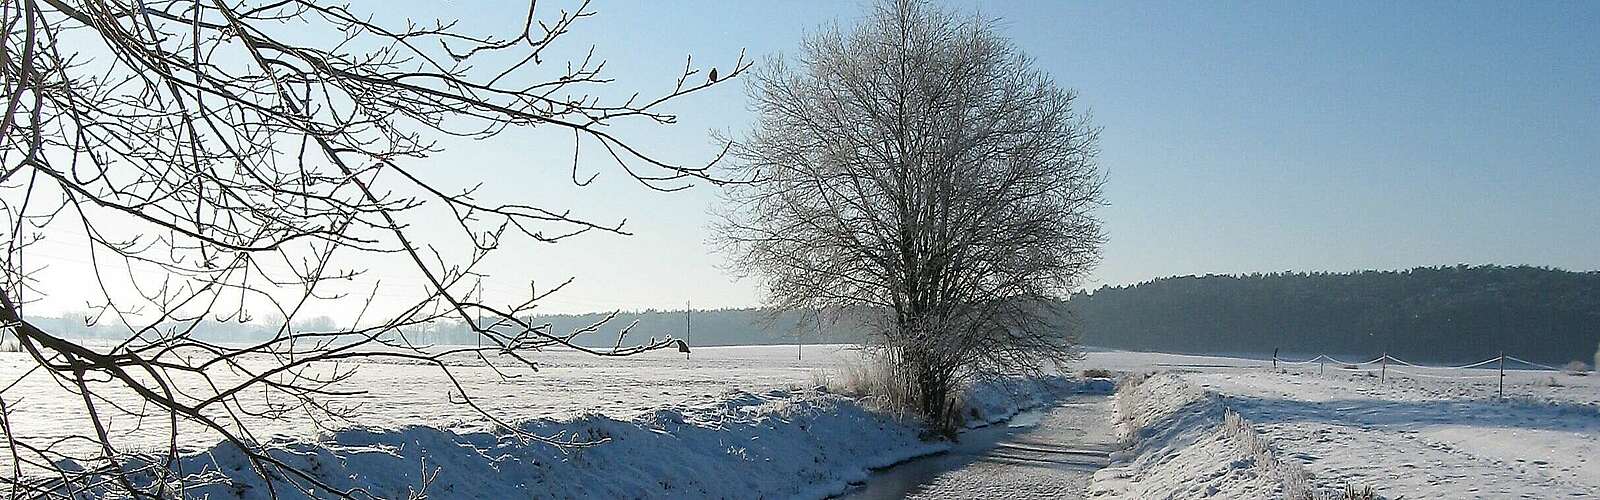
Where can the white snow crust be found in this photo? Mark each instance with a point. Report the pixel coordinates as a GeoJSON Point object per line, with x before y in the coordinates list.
{"type": "Point", "coordinates": [733, 423]}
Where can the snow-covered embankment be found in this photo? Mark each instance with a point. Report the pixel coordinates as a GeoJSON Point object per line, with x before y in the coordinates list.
{"type": "Point", "coordinates": [796, 443]}
{"type": "Point", "coordinates": [1184, 442]}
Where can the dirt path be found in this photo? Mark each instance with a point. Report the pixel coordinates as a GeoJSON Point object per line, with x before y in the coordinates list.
{"type": "Point", "coordinates": [1048, 453]}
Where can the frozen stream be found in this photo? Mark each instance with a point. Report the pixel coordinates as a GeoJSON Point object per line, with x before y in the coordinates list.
{"type": "Point", "coordinates": [1043, 453]}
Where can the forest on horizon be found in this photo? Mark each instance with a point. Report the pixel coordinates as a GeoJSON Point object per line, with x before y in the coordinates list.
{"type": "Point", "coordinates": [1436, 314]}
{"type": "Point", "coordinates": [1442, 314]}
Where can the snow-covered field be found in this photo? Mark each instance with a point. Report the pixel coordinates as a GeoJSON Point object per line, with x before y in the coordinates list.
{"type": "Point", "coordinates": [730, 422]}
{"type": "Point", "coordinates": [742, 422]}
{"type": "Point", "coordinates": [568, 384]}
{"type": "Point", "coordinates": [1238, 429]}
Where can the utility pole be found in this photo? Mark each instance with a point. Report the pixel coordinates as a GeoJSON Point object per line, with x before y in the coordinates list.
{"type": "Point", "coordinates": [686, 327]}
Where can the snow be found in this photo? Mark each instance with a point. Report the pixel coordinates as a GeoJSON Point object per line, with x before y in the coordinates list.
{"type": "Point", "coordinates": [1420, 440]}
{"type": "Point", "coordinates": [567, 384]}
{"type": "Point", "coordinates": [739, 422]}
{"type": "Point", "coordinates": [996, 400]}
{"type": "Point", "coordinates": [1418, 432]}
{"type": "Point", "coordinates": [1184, 444]}
{"type": "Point", "coordinates": [1050, 457]}
{"type": "Point", "coordinates": [777, 443]}
{"type": "Point", "coordinates": [745, 422]}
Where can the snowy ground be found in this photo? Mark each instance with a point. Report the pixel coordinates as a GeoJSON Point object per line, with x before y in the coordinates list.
{"type": "Point", "coordinates": [1215, 426]}
{"type": "Point", "coordinates": [568, 384]}
{"type": "Point", "coordinates": [1183, 443]}
{"type": "Point", "coordinates": [1531, 385]}
{"type": "Point", "coordinates": [735, 422]}
{"type": "Point", "coordinates": [777, 443]}
{"type": "Point", "coordinates": [1415, 433]}
{"type": "Point", "coordinates": [1420, 440]}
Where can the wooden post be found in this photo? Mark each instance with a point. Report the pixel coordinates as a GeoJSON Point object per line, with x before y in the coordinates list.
{"type": "Point", "coordinates": [686, 330]}
{"type": "Point", "coordinates": [1383, 373]}
{"type": "Point", "coordinates": [1274, 359]}
{"type": "Point", "coordinates": [1321, 366]}
{"type": "Point", "coordinates": [1502, 374]}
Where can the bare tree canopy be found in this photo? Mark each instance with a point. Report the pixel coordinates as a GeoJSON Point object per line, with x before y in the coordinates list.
{"type": "Point", "coordinates": [220, 160]}
{"type": "Point", "coordinates": [920, 165]}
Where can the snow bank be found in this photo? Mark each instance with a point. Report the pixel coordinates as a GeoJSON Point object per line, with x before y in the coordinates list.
{"type": "Point", "coordinates": [784, 443]}
{"type": "Point", "coordinates": [992, 401]}
{"type": "Point", "coordinates": [1185, 443]}
{"type": "Point", "coordinates": [1419, 440]}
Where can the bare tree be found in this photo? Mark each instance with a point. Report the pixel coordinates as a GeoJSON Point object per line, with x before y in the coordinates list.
{"type": "Point", "coordinates": [920, 166]}
{"type": "Point", "coordinates": [220, 160]}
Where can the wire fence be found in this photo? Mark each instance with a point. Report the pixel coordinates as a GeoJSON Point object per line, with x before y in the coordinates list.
{"type": "Point", "coordinates": [1386, 364]}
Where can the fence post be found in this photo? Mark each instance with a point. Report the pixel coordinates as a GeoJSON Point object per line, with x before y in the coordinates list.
{"type": "Point", "coordinates": [1502, 374]}
{"type": "Point", "coordinates": [1321, 365]}
{"type": "Point", "coordinates": [1383, 373]}
{"type": "Point", "coordinates": [1274, 359]}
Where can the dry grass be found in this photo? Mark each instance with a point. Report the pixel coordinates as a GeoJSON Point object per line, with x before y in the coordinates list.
{"type": "Point", "coordinates": [874, 381]}
{"type": "Point", "coordinates": [1365, 493]}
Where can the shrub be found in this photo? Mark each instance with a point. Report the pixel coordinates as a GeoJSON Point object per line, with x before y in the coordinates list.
{"type": "Point", "coordinates": [1097, 373]}
{"type": "Point", "coordinates": [1577, 368]}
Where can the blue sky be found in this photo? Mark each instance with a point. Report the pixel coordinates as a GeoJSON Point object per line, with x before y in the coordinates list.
{"type": "Point", "coordinates": [1238, 137]}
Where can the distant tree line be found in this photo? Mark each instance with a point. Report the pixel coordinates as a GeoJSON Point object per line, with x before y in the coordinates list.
{"type": "Point", "coordinates": [1437, 314]}
{"type": "Point", "coordinates": [1440, 314]}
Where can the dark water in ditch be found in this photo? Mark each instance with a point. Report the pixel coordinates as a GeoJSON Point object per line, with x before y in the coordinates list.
{"type": "Point", "coordinates": [1043, 453]}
